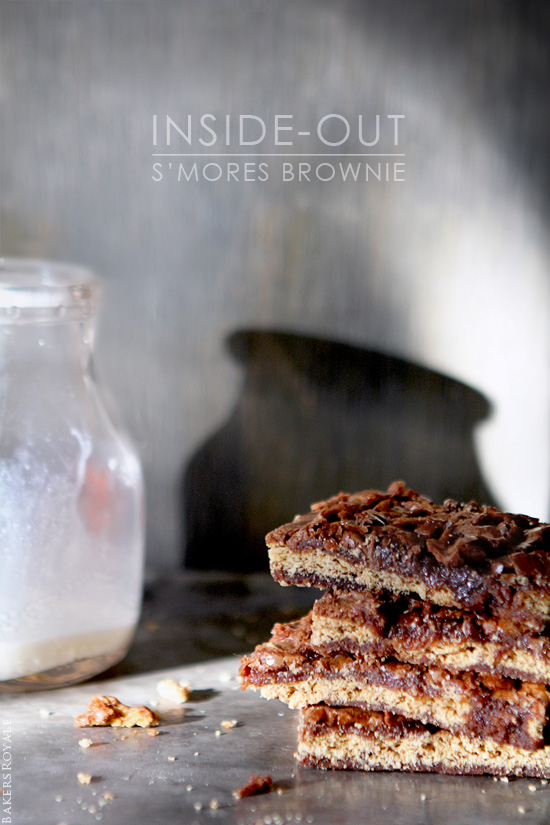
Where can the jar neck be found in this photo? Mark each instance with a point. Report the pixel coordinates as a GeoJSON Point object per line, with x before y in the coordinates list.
{"type": "Point", "coordinates": [61, 347]}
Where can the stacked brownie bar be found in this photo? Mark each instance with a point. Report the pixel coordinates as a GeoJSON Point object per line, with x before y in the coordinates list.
{"type": "Point", "coordinates": [430, 650]}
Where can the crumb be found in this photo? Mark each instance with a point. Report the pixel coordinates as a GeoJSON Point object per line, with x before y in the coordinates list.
{"type": "Point", "coordinates": [171, 758]}
{"type": "Point", "coordinates": [218, 733]}
{"type": "Point", "coordinates": [227, 724]}
{"type": "Point", "coordinates": [213, 804]}
{"type": "Point", "coordinates": [532, 788]}
{"type": "Point", "coordinates": [177, 692]}
{"type": "Point", "coordinates": [280, 791]}
{"type": "Point", "coordinates": [57, 797]}
{"type": "Point", "coordinates": [422, 797]}
{"type": "Point", "coordinates": [85, 743]}
{"type": "Point", "coordinates": [107, 710]}
{"type": "Point", "coordinates": [152, 732]}
{"type": "Point", "coordinates": [108, 796]}
{"type": "Point", "coordinates": [92, 809]}
{"type": "Point", "coordinates": [255, 785]}
{"type": "Point", "coordinates": [84, 778]}
{"type": "Point", "coordinates": [152, 627]}
{"type": "Point", "coordinates": [544, 782]}
{"type": "Point", "coordinates": [188, 787]}
{"type": "Point", "coordinates": [504, 779]}
{"type": "Point", "coordinates": [521, 809]}
{"type": "Point", "coordinates": [197, 806]}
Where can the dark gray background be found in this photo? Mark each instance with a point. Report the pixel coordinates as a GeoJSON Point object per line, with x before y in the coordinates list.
{"type": "Point", "coordinates": [447, 271]}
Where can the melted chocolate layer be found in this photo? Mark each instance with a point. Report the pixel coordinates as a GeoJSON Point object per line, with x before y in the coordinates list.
{"type": "Point", "coordinates": [497, 708]}
{"type": "Point", "coordinates": [413, 630]}
{"type": "Point", "coordinates": [356, 739]}
{"type": "Point", "coordinates": [482, 555]}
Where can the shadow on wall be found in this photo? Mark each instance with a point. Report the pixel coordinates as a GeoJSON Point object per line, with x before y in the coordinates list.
{"type": "Point", "coordinates": [315, 417]}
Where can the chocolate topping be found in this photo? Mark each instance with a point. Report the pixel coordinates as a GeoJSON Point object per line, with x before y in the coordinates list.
{"type": "Point", "coordinates": [478, 552]}
{"type": "Point", "coordinates": [453, 534]}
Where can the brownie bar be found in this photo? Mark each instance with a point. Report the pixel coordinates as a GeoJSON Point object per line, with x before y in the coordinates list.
{"type": "Point", "coordinates": [387, 624]}
{"type": "Point", "coordinates": [356, 739]}
{"type": "Point", "coordinates": [457, 555]}
{"type": "Point", "coordinates": [290, 669]}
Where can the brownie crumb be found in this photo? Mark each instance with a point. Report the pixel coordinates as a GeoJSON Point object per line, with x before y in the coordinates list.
{"type": "Point", "coordinates": [84, 778]}
{"type": "Point", "coordinates": [108, 711]}
{"type": "Point", "coordinates": [255, 785]}
{"type": "Point", "coordinates": [227, 724]}
{"type": "Point", "coordinates": [177, 692]}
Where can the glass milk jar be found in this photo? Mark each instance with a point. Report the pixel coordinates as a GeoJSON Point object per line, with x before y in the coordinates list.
{"type": "Point", "coordinates": [71, 494]}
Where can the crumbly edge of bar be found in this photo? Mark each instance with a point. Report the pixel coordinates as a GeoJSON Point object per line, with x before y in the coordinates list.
{"type": "Point", "coordinates": [334, 636]}
{"type": "Point", "coordinates": [329, 571]}
{"type": "Point", "coordinates": [449, 711]}
{"type": "Point", "coordinates": [439, 752]}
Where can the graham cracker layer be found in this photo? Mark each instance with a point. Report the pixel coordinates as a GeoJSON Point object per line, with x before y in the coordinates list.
{"type": "Point", "coordinates": [385, 624]}
{"type": "Point", "coordinates": [289, 668]}
{"type": "Point", "coordinates": [355, 739]}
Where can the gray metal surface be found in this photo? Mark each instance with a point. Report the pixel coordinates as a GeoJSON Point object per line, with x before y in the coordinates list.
{"type": "Point", "coordinates": [173, 777]}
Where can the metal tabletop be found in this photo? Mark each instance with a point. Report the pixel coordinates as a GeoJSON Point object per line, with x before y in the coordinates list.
{"type": "Point", "coordinates": [186, 774]}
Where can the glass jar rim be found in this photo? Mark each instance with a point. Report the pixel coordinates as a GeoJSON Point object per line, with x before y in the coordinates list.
{"type": "Point", "coordinates": [33, 289]}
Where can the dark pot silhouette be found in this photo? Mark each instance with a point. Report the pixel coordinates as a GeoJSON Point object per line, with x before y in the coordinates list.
{"type": "Point", "coordinates": [315, 417]}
